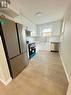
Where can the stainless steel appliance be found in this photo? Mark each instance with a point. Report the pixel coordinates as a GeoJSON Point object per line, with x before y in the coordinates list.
{"type": "Point", "coordinates": [14, 41]}
{"type": "Point", "coordinates": [32, 49]}
{"type": "Point", "coordinates": [55, 46]}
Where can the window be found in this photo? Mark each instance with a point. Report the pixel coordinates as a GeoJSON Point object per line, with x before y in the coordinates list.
{"type": "Point", "coordinates": [47, 32]}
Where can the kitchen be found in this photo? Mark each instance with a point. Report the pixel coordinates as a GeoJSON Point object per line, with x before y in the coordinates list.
{"type": "Point", "coordinates": [20, 45]}
{"type": "Point", "coordinates": [32, 47]}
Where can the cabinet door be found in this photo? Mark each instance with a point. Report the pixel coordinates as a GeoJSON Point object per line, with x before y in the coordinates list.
{"type": "Point", "coordinates": [10, 35]}
{"type": "Point", "coordinates": [22, 37]}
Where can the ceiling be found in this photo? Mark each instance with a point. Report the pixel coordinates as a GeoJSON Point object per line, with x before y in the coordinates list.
{"type": "Point", "coordinates": [52, 10]}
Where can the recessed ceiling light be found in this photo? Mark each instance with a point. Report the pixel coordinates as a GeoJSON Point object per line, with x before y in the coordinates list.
{"type": "Point", "coordinates": [38, 13]}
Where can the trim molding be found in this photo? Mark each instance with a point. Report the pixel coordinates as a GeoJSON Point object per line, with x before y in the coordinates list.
{"type": "Point", "coordinates": [64, 67]}
{"type": "Point", "coordinates": [6, 82]}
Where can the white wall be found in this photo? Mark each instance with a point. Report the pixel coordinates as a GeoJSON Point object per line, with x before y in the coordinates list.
{"type": "Point", "coordinates": [65, 47]}
{"type": "Point", "coordinates": [4, 71]}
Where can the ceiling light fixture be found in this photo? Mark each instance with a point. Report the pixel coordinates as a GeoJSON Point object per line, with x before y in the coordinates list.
{"type": "Point", "coordinates": [4, 3]}
{"type": "Point", "coordinates": [38, 14]}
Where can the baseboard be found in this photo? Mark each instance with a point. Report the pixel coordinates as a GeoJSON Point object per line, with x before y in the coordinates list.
{"type": "Point", "coordinates": [6, 82]}
{"type": "Point", "coordinates": [64, 67]}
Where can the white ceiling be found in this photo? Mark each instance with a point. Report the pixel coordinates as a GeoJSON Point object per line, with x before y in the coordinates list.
{"type": "Point", "coordinates": [52, 10]}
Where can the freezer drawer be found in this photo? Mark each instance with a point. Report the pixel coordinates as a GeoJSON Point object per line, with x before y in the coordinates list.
{"type": "Point", "coordinates": [18, 64]}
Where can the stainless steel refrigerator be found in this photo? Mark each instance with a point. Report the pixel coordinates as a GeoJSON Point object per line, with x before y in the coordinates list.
{"type": "Point", "coordinates": [14, 40]}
